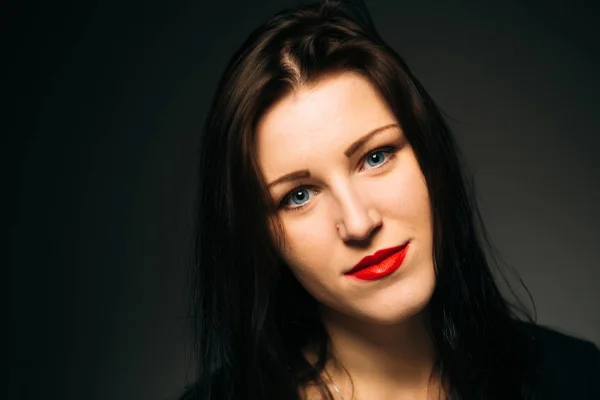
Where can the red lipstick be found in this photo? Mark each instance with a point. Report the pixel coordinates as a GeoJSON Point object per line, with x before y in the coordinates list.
{"type": "Point", "coordinates": [380, 264]}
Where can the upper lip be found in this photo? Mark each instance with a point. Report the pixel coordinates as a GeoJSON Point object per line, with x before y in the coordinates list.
{"type": "Point", "coordinates": [376, 258]}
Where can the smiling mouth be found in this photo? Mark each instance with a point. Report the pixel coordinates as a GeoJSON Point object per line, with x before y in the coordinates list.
{"type": "Point", "coordinates": [379, 265]}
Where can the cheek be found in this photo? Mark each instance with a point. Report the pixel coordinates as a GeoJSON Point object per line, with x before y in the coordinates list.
{"type": "Point", "coordinates": [314, 277]}
{"type": "Point", "coordinates": [309, 236]}
{"type": "Point", "coordinates": [306, 252]}
{"type": "Point", "coordinates": [406, 196]}
{"type": "Point", "coordinates": [309, 251]}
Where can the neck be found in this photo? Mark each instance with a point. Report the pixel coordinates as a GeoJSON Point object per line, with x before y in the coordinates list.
{"type": "Point", "coordinates": [380, 358]}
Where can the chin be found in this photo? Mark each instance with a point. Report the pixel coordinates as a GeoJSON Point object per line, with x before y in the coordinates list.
{"type": "Point", "coordinates": [394, 317]}
{"type": "Point", "coordinates": [403, 303]}
{"type": "Point", "coordinates": [392, 312]}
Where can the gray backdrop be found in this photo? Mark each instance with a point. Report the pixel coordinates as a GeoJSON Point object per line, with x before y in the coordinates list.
{"type": "Point", "coordinates": [106, 104]}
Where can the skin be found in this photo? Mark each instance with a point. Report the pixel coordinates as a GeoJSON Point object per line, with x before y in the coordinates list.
{"type": "Point", "coordinates": [350, 207]}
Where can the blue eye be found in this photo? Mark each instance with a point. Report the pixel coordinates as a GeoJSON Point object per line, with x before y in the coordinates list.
{"type": "Point", "coordinates": [297, 198]}
{"type": "Point", "coordinates": [378, 157]}
{"type": "Point", "coordinates": [300, 196]}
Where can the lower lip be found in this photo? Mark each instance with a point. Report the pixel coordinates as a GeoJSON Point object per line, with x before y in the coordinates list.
{"type": "Point", "coordinates": [383, 269]}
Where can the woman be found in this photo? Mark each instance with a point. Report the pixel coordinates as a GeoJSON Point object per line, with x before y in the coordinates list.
{"type": "Point", "coordinates": [339, 252]}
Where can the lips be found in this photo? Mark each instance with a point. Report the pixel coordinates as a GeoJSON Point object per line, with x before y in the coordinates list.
{"type": "Point", "coordinates": [380, 264]}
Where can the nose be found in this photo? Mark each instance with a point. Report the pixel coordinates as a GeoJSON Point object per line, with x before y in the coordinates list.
{"type": "Point", "coordinates": [357, 220]}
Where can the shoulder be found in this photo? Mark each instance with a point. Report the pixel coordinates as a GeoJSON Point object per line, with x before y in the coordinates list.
{"type": "Point", "coordinates": [567, 366]}
{"type": "Point", "coordinates": [556, 346]}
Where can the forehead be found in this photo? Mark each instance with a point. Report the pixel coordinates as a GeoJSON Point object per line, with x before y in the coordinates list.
{"type": "Point", "coordinates": [323, 118]}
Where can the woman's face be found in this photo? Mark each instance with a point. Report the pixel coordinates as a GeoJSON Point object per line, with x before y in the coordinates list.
{"type": "Point", "coordinates": [349, 185]}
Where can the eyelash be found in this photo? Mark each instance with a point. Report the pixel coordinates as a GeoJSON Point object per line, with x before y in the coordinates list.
{"type": "Point", "coordinates": [391, 150]}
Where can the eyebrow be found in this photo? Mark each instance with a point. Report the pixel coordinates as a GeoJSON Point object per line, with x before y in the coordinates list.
{"type": "Point", "coordinates": [291, 177]}
{"type": "Point", "coordinates": [353, 148]}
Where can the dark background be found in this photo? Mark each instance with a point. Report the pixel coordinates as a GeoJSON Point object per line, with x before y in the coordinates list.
{"type": "Point", "coordinates": [105, 104]}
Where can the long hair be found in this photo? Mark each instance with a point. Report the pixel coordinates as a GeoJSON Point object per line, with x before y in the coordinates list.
{"type": "Point", "coordinates": [251, 318]}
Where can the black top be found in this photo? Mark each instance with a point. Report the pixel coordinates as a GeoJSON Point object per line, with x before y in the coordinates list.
{"type": "Point", "coordinates": [568, 367]}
